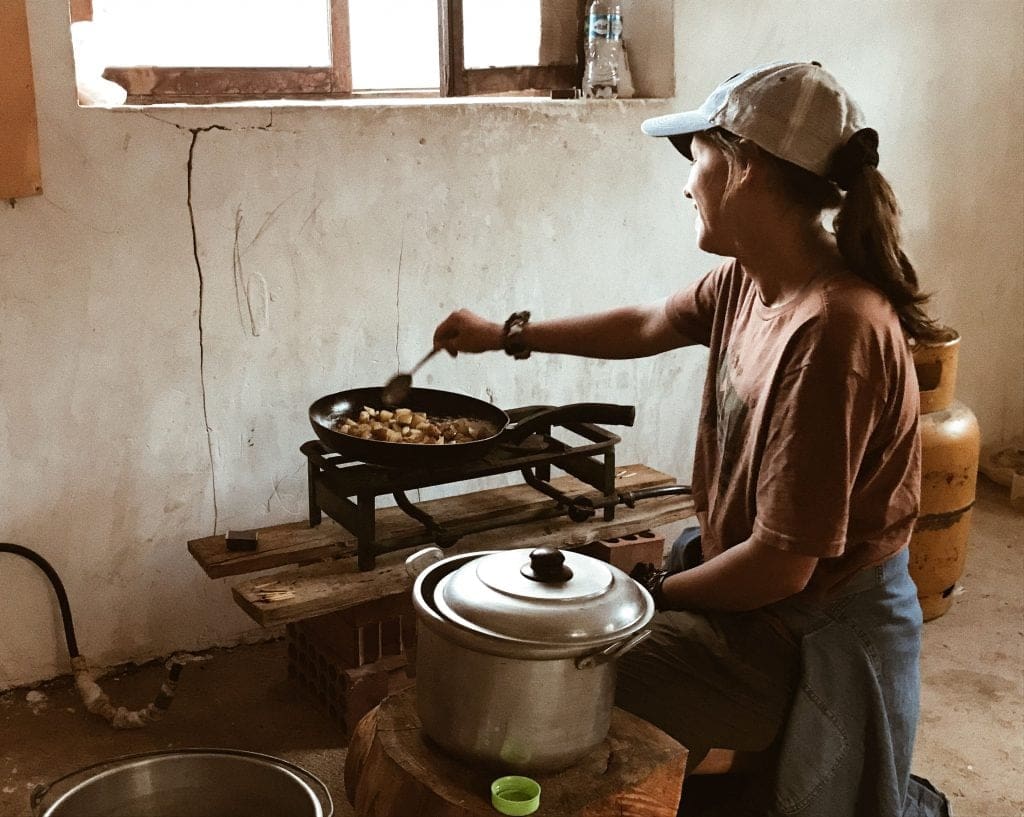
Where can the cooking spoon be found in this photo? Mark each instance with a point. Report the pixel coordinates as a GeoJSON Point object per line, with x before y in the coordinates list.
{"type": "Point", "coordinates": [397, 388]}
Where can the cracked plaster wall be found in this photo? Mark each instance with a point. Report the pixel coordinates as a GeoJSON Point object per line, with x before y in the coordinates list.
{"type": "Point", "coordinates": [191, 280]}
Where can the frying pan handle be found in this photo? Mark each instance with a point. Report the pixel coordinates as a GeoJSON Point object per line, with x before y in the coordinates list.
{"type": "Point", "coordinates": [603, 413]}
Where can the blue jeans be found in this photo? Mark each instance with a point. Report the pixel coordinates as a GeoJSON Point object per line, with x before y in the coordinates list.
{"type": "Point", "coordinates": [851, 730]}
{"type": "Point", "coordinates": [832, 688]}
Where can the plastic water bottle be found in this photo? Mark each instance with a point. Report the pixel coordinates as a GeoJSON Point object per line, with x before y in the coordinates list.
{"type": "Point", "coordinates": [604, 36]}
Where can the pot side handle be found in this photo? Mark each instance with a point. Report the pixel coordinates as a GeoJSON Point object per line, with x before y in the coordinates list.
{"type": "Point", "coordinates": [422, 559]}
{"type": "Point", "coordinates": [41, 790]}
{"type": "Point", "coordinates": [616, 650]}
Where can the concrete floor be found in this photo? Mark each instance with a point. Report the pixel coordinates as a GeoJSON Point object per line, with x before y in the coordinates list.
{"type": "Point", "coordinates": [971, 737]}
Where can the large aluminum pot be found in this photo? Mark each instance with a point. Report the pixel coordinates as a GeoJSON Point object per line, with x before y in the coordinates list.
{"type": "Point", "coordinates": [516, 649]}
{"type": "Point", "coordinates": [189, 782]}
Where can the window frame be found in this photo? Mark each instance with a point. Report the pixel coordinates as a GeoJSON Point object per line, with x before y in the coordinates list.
{"type": "Point", "coordinates": [148, 85]}
{"type": "Point", "coordinates": [151, 84]}
{"type": "Point", "coordinates": [457, 80]}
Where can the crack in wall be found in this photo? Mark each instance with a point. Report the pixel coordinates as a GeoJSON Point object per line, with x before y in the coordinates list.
{"type": "Point", "coordinates": [167, 121]}
{"type": "Point", "coordinates": [251, 294]}
{"type": "Point", "coordinates": [398, 299]}
{"type": "Point", "coordinates": [277, 488]}
{"type": "Point", "coordinates": [202, 285]}
{"type": "Point", "coordinates": [252, 288]}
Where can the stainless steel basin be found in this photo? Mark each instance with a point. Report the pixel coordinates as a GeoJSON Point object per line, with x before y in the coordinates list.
{"type": "Point", "coordinates": [186, 783]}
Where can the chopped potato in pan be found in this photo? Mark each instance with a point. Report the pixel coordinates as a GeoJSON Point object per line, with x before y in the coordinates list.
{"type": "Point", "coordinates": [403, 425]}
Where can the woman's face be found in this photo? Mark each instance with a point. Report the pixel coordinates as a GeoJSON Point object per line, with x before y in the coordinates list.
{"type": "Point", "coordinates": [706, 186]}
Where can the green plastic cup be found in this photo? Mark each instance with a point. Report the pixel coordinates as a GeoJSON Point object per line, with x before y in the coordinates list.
{"type": "Point", "coordinates": [515, 795]}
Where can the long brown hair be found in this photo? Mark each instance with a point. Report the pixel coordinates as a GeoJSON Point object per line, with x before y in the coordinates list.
{"type": "Point", "coordinates": [866, 227]}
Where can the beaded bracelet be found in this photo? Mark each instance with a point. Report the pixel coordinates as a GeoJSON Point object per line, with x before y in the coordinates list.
{"type": "Point", "coordinates": [512, 335]}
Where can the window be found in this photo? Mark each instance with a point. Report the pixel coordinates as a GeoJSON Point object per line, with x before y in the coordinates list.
{"type": "Point", "coordinates": [203, 51]}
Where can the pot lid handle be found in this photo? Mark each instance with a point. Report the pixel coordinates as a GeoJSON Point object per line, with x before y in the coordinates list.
{"type": "Point", "coordinates": [547, 565]}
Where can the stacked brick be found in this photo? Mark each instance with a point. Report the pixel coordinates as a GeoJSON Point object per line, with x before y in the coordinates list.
{"type": "Point", "coordinates": [349, 661]}
{"type": "Point", "coordinates": [624, 552]}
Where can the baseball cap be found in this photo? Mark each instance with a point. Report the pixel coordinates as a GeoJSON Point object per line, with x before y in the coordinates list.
{"type": "Point", "coordinates": [796, 111]}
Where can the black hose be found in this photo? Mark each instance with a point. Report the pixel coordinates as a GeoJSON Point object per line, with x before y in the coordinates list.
{"type": "Point", "coordinates": [58, 588]}
{"type": "Point", "coordinates": [96, 701]}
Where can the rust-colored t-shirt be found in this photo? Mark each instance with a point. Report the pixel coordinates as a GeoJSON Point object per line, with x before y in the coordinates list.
{"type": "Point", "coordinates": [808, 435]}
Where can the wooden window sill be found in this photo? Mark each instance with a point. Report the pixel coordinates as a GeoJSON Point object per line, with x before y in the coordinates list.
{"type": "Point", "coordinates": [410, 101]}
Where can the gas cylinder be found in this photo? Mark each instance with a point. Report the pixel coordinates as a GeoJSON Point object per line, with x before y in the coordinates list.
{"type": "Point", "coordinates": [950, 450]}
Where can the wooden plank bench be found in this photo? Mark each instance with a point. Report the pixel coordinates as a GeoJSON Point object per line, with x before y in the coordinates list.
{"type": "Point", "coordinates": [321, 575]}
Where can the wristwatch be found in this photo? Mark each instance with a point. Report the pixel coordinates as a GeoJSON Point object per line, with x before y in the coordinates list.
{"type": "Point", "coordinates": [512, 335]}
{"type": "Point", "coordinates": [652, 578]}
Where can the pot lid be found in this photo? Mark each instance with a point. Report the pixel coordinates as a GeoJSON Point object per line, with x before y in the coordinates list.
{"type": "Point", "coordinates": [543, 596]}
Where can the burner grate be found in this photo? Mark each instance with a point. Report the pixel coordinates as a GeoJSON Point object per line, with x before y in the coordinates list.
{"type": "Point", "coordinates": [347, 490]}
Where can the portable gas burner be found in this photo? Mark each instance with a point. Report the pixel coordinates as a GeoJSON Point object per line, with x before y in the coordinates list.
{"type": "Point", "coordinates": [346, 488]}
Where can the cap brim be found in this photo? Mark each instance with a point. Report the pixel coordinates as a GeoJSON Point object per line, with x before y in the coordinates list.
{"type": "Point", "coordinates": [678, 127]}
{"type": "Point", "coordinates": [676, 124]}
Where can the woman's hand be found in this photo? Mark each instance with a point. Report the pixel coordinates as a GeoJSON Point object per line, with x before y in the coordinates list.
{"type": "Point", "coordinates": [465, 331]}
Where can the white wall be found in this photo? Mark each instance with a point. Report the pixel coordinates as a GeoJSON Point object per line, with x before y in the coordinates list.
{"type": "Point", "coordinates": [147, 399]}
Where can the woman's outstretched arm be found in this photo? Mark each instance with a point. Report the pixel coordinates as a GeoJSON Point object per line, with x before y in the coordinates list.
{"type": "Point", "coordinates": [616, 334]}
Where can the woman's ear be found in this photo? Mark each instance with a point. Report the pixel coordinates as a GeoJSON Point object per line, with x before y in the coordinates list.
{"type": "Point", "coordinates": [744, 167]}
{"type": "Point", "coordinates": [750, 164]}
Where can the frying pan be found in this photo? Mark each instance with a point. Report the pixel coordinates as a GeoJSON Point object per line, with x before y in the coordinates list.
{"type": "Point", "coordinates": [328, 410]}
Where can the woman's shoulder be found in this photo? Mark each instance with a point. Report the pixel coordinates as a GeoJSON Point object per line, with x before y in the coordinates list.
{"type": "Point", "coordinates": [854, 316]}
{"type": "Point", "coordinates": [728, 281]}
{"type": "Point", "coordinates": [839, 299]}
{"type": "Point", "coordinates": [726, 273]}
{"type": "Point", "coordinates": [717, 290]}
{"type": "Point", "coordinates": [848, 295]}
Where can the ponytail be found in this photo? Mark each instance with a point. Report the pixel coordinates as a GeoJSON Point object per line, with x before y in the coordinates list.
{"type": "Point", "coordinates": [866, 223]}
{"type": "Point", "coordinates": [868, 235]}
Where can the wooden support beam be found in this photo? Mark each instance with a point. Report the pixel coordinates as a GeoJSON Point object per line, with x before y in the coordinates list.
{"type": "Point", "coordinates": [297, 543]}
{"type": "Point", "coordinates": [314, 590]}
{"type": "Point", "coordinates": [451, 46]}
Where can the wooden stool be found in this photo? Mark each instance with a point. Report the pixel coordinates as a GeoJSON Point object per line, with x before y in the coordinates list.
{"type": "Point", "coordinates": [392, 771]}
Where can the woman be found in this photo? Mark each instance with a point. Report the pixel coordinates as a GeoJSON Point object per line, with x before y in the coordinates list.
{"type": "Point", "coordinates": [795, 627]}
